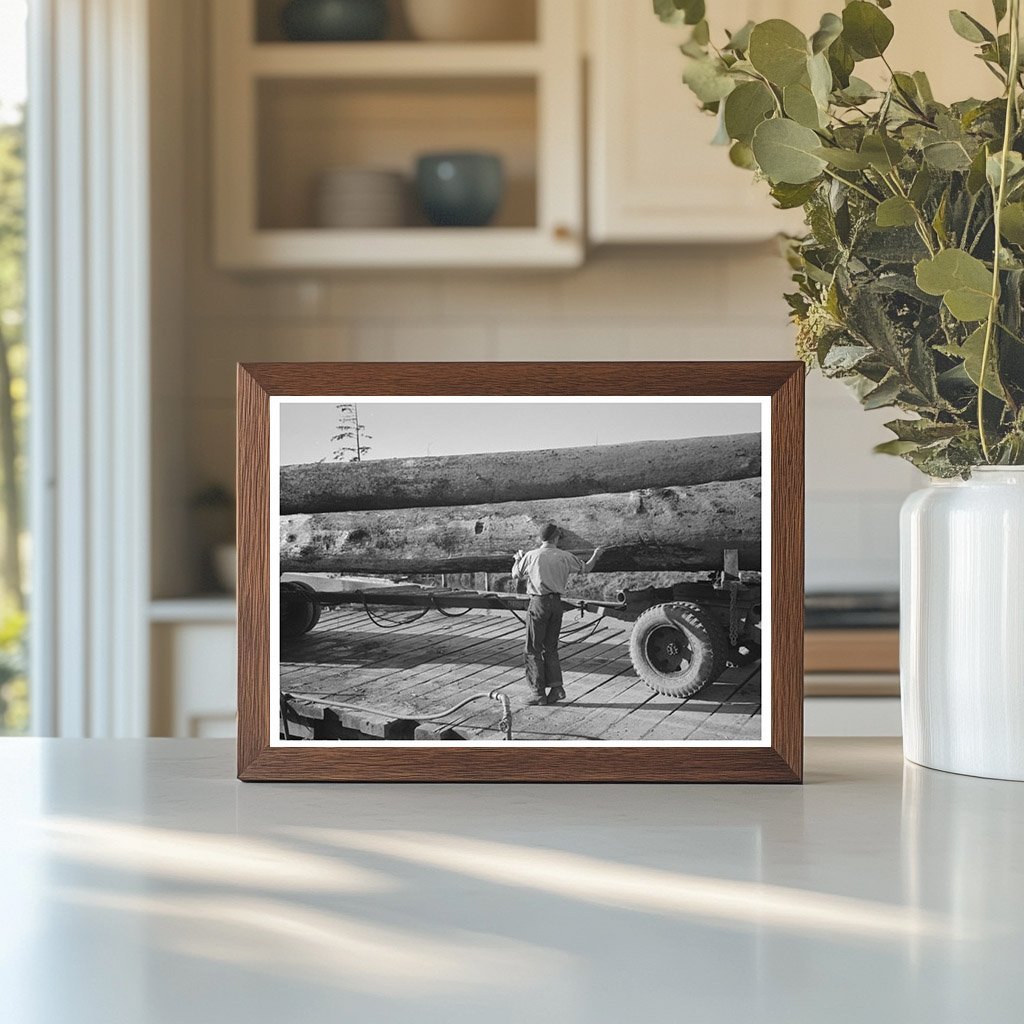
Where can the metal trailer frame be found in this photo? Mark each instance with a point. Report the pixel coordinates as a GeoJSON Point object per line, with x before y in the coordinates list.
{"type": "Point", "coordinates": [683, 637]}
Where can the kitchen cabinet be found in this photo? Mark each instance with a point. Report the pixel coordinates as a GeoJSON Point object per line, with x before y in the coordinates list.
{"type": "Point", "coordinates": [653, 175]}
{"type": "Point", "coordinates": [192, 648]}
{"type": "Point", "coordinates": [286, 113]}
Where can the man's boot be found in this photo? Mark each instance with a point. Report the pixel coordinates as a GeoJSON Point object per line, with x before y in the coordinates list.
{"type": "Point", "coordinates": [534, 697]}
{"type": "Point", "coordinates": [555, 694]}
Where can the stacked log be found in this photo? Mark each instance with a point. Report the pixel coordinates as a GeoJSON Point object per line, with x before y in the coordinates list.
{"type": "Point", "coordinates": [443, 481]}
{"type": "Point", "coordinates": [664, 528]}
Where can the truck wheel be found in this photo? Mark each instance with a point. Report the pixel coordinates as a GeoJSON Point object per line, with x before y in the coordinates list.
{"type": "Point", "coordinates": [678, 648]}
{"type": "Point", "coordinates": [300, 609]}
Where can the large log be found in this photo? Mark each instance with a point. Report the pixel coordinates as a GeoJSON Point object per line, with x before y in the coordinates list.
{"type": "Point", "coordinates": [672, 528]}
{"type": "Point", "coordinates": [439, 481]}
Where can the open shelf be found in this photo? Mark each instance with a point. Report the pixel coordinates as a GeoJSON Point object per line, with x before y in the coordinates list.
{"type": "Point", "coordinates": [288, 113]}
{"type": "Point", "coordinates": [306, 128]}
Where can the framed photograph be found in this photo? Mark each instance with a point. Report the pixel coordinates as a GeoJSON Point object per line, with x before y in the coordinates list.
{"type": "Point", "coordinates": [513, 572]}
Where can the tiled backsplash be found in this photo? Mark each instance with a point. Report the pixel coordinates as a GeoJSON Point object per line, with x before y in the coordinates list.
{"type": "Point", "coordinates": [705, 303]}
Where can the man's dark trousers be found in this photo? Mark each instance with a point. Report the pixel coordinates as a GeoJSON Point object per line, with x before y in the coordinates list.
{"type": "Point", "coordinates": [543, 624]}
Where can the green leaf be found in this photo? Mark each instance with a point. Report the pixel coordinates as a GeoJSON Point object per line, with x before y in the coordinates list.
{"type": "Point", "coordinates": [896, 212]}
{"type": "Point", "coordinates": [739, 41]}
{"type": "Point", "coordinates": [947, 156]}
{"type": "Point", "coordinates": [1012, 226]}
{"type": "Point", "coordinates": [844, 159]}
{"type": "Point", "coordinates": [866, 29]}
{"type": "Point", "coordinates": [969, 28]}
{"type": "Point", "coordinates": [778, 50]}
{"type": "Point", "coordinates": [676, 12]}
{"type": "Point", "coordinates": [820, 77]}
{"type": "Point", "coordinates": [999, 6]}
{"type": "Point", "coordinates": [858, 91]}
{"type": "Point", "coordinates": [887, 393]}
{"type": "Point", "coordinates": [746, 107]}
{"type": "Point", "coordinates": [883, 153]}
{"type": "Point", "coordinates": [923, 431]}
{"type": "Point", "coordinates": [785, 152]}
{"type": "Point", "coordinates": [939, 220]}
{"type": "Point", "coordinates": [1014, 169]}
{"type": "Point", "coordinates": [708, 80]}
{"type": "Point", "coordinates": [801, 106]}
{"type": "Point", "coordinates": [830, 29]}
{"type": "Point", "coordinates": [921, 185]}
{"type": "Point", "coordinates": [963, 281]}
{"type": "Point", "coordinates": [741, 155]}
{"type": "Point", "coordinates": [976, 174]}
{"type": "Point", "coordinates": [971, 352]}
{"type": "Point", "coordinates": [895, 447]}
{"type": "Point", "coordinates": [789, 197]}
{"type": "Point", "coordinates": [924, 87]}
{"type": "Point", "coordinates": [841, 60]}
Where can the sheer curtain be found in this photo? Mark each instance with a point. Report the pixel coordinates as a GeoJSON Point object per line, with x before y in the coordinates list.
{"type": "Point", "coordinates": [88, 300]}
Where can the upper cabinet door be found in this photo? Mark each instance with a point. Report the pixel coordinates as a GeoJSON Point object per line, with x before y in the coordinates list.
{"type": "Point", "coordinates": [655, 177]}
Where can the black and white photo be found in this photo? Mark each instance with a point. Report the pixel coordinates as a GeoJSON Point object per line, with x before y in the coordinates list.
{"type": "Point", "coordinates": [542, 571]}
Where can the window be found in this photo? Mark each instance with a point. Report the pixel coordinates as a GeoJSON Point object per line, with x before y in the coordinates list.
{"type": "Point", "coordinates": [14, 693]}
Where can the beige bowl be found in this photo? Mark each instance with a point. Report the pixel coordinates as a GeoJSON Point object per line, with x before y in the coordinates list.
{"type": "Point", "coordinates": [471, 20]}
{"type": "Point", "coordinates": [361, 198]}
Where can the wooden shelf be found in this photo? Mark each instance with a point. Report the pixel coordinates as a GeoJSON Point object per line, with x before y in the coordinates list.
{"type": "Point", "coordinates": [401, 247]}
{"type": "Point", "coordinates": [393, 60]}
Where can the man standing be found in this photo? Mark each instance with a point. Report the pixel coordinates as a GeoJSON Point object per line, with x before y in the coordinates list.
{"type": "Point", "coordinates": [546, 570]}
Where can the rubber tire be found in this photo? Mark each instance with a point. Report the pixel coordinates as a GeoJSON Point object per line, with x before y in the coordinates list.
{"type": "Point", "coordinates": [300, 609]}
{"type": "Point", "coordinates": [705, 637]}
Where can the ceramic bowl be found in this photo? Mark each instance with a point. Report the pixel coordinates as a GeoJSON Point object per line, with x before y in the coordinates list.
{"type": "Point", "coordinates": [470, 20]}
{"type": "Point", "coordinates": [334, 20]}
{"type": "Point", "coordinates": [460, 189]}
{"type": "Point", "coordinates": [358, 197]}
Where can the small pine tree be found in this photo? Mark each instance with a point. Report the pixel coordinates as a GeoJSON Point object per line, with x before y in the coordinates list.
{"type": "Point", "coordinates": [350, 438]}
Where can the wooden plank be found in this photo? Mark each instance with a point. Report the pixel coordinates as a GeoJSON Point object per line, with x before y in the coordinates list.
{"type": "Point", "coordinates": [732, 719]}
{"type": "Point", "coordinates": [371, 654]}
{"type": "Point", "coordinates": [583, 670]}
{"type": "Point", "coordinates": [499, 675]}
{"type": "Point", "coordinates": [692, 712]}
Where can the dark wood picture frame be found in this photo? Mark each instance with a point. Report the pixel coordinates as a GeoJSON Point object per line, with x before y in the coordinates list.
{"type": "Point", "coordinates": [781, 761]}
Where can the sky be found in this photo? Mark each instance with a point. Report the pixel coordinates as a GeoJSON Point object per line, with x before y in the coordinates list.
{"type": "Point", "coordinates": [459, 428]}
{"type": "Point", "coordinates": [12, 56]}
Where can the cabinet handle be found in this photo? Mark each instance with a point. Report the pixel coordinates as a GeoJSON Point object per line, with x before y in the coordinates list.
{"type": "Point", "coordinates": [563, 232]}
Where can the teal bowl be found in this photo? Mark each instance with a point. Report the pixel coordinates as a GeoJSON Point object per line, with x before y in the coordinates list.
{"type": "Point", "coordinates": [460, 190]}
{"type": "Point", "coordinates": [334, 21]}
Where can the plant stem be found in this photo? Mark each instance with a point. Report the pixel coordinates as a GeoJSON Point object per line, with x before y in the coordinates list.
{"type": "Point", "coordinates": [856, 188]}
{"type": "Point", "coordinates": [993, 309]}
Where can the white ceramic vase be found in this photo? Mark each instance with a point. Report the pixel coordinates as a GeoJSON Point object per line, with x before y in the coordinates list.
{"type": "Point", "coordinates": [962, 624]}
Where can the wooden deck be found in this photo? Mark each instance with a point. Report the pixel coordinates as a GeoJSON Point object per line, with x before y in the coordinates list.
{"type": "Point", "coordinates": [399, 675]}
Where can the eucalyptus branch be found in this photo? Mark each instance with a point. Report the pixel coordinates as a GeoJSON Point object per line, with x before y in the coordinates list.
{"type": "Point", "coordinates": [853, 185]}
{"type": "Point", "coordinates": [1000, 199]}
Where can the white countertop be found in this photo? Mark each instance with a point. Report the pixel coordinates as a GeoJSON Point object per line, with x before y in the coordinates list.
{"type": "Point", "coordinates": [143, 885]}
